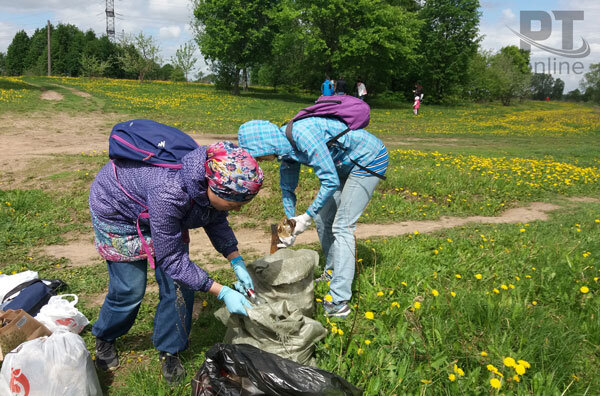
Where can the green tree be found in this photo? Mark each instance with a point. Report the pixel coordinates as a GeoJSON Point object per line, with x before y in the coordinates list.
{"type": "Point", "coordinates": [511, 77]}
{"type": "Point", "coordinates": [2, 64]}
{"type": "Point", "coordinates": [541, 86]}
{"type": "Point", "coordinates": [235, 33]}
{"type": "Point", "coordinates": [449, 39]}
{"type": "Point", "coordinates": [591, 83]}
{"type": "Point", "coordinates": [67, 46]}
{"type": "Point", "coordinates": [16, 53]}
{"type": "Point", "coordinates": [574, 96]}
{"type": "Point", "coordinates": [140, 55]}
{"type": "Point", "coordinates": [558, 89]}
{"type": "Point", "coordinates": [92, 66]}
{"type": "Point", "coordinates": [479, 82]}
{"type": "Point", "coordinates": [184, 58]}
{"type": "Point", "coordinates": [36, 61]}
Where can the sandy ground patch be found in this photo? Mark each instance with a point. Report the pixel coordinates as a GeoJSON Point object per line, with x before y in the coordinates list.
{"type": "Point", "coordinates": [81, 252]}
{"type": "Point", "coordinates": [51, 95]}
{"type": "Point", "coordinates": [44, 134]}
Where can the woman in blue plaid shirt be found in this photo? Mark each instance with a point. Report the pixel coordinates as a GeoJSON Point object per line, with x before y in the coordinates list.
{"type": "Point", "coordinates": [348, 170]}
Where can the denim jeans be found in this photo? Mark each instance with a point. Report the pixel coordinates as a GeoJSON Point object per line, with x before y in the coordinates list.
{"type": "Point", "coordinates": [336, 223]}
{"type": "Point", "coordinates": [126, 288]}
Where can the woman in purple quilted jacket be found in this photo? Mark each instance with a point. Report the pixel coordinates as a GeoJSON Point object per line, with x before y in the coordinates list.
{"type": "Point", "coordinates": [213, 180]}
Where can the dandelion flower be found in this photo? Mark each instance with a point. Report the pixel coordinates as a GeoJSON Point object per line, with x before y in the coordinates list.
{"type": "Point", "coordinates": [367, 342]}
{"type": "Point", "coordinates": [452, 377]}
{"type": "Point", "coordinates": [509, 362]}
{"type": "Point", "coordinates": [524, 363]}
{"type": "Point", "coordinates": [360, 351]}
{"type": "Point", "coordinates": [340, 332]}
{"type": "Point", "coordinates": [417, 305]}
{"type": "Point", "coordinates": [503, 287]}
{"type": "Point", "coordinates": [491, 367]}
{"type": "Point", "coordinates": [534, 302]}
{"type": "Point", "coordinates": [369, 315]}
{"type": "Point", "coordinates": [478, 276]}
{"type": "Point", "coordinates": [328, 298]}
{"type": "Point", "coordinates": [516, 378]}
{"type": "Point", "coordinates": [453, 294]}
{"type": "Point", "coordinates": [584, 289]}
{"type": "Point", "coordinates": [496, 290]}
{"type": "Point", "coordinates": [495, 383]}
{"type": "Point", "coordinates": [435, 293]}
{"type": "Point", "coordinates": [379, 293]}
{"type": "Point", "coordinates": [519, 369]}
{"type": "Point", "coordinates": [484, 353]}
{"type": "Point", "coordinates": [458, 276]}
{"type": "Point", "coordinates": [395, 304]}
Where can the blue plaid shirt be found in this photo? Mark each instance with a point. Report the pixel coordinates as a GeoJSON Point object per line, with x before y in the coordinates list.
{"type": "Point", "coordinates": [310, 135]}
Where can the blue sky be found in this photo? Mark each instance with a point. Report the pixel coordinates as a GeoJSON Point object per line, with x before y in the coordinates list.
{"type": "Point", "coordinates": [168, 21]}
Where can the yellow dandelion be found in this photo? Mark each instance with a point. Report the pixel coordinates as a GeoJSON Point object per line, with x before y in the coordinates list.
{"type": "Point", "coordinates": [584, 289]}
{"type": "Point", "coordinates": [395, 304]}
{"type": "Point", "coordinates": [496, 290]}
{"type": "Point", "coordinates": [516, 378]}
{"type": "Point", "coordinates": [453, 294]}
{"type": "Point", "coordinates": [495, 383]}
{"type": "Point", "coordinates": [452, 377]}
{"type": "Point", "coordinates": [484, 353]}
{"type": "Point", "coordinates": [435, 293]}
{"type": "Point", "coordinates": [491, 367]}
{"type": "Point", "coordinates": [328, 298]}
{"type": "Point", "coordinates": [519, 369]}
{"type": "Point", "coordinates": [204, 303]}
{"type": "Point", "coordinates": [417, 305]}
{"type": "Point", "coordinates": [534, 302]}
{"type": "Point", "coordinates": [509, 362]}
{"type": "Point", "coordinates": [458, 276]}
{"type": "Point", "coordinates": [369, 315]}
{"type": "Point", "coordinates": [524, 363]}
{"type": "Point", "coordinates": [367, 342]}
{"type": "Point", "coordinates": [478, 276]}
{"type": "Point", "coordinates": [379, 293]}
{"type": "Point", "coordinates": [503, 287]}
{"type": "Point", "coordinates": [360, 351]}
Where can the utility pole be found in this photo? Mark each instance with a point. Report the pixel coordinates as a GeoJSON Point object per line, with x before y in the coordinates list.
{"type": "Point", "coordinates": [110, 19]}
{"type": "Point", "coordinates": [49, 52]}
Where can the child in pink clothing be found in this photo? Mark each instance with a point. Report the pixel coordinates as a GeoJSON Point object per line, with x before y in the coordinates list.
{"type": "Point", "coordinates": [416, 105]}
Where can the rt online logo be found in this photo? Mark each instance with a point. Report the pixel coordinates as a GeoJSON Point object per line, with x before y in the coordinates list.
{"type": "Point", "coordinates": [530, 37]}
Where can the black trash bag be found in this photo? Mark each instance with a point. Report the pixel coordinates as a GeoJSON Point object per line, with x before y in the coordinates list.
{"type": "Point", "coordinates": [243, 370]}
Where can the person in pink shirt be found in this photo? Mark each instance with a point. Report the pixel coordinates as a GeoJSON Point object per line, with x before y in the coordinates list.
{"type": "Point", "coordinates": [416, 105]}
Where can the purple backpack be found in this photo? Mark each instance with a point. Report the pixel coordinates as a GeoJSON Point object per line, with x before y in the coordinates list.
{"type": "Point", "coordinates": [352, 111]}
{"type": "Point", "coordinates": [152, 143]}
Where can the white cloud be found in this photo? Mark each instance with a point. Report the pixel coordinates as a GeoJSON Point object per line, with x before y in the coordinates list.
{"type": "Point", "coordinates": [169, 32]}
{"type": "Point", "coordinates": [508, 15]}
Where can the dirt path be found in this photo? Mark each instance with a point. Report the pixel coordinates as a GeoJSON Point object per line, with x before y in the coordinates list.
{"type": "Point", "coordinates": [81, 252]}
{"type": "Point", "coordinates": [51, 95]}
{"type": "Point", "coordinates": [44, 134]}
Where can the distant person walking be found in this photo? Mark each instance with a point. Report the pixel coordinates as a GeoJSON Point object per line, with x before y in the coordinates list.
{"type": "Point", "coordinates": [327, 87]}
{"type": "Point", "coordinates": [418, 91]}
{"type": "Point", "coordinates": [340, 87]}
{"type": "Point", "coordinates": [416, 105]}
{"type": "Point", "coordinates": [361, 90]}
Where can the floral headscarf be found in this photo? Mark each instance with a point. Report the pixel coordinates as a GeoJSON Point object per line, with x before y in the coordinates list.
{"type": "Point", "coordinates": [232, 173]}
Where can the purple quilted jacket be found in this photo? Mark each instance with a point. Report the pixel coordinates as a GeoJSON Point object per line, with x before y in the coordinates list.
{"type": "Point", "coordinates": [168, 194]}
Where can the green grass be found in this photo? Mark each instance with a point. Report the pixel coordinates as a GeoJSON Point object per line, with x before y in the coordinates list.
{"type": "Point", "coordinates": [451, 161]}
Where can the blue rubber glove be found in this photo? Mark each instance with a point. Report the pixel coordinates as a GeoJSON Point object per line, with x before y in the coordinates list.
{"type": "Point", "coordinates": [235, 302]}
{"type": "Point", "coordinates": [244, 281]}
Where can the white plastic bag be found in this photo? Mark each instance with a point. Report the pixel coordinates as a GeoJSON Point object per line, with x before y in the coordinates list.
{"type": "Point", "coordinates": [60, 312]}
{"type": "Point", "coordinates": [58, 365]}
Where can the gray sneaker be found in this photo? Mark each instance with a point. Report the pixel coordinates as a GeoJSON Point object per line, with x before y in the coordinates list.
{"type": "Point", "coordinates": [340, 310]}
{"type": "Point", "coordinates": [107, 357]}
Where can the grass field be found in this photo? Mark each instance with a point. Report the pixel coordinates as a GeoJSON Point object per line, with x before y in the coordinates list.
{"type": "Point", "coordinates": [465, 310]}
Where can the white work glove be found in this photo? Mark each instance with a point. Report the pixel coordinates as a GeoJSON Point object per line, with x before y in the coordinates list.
{"type": "Point", "coordinates": [285, 242]}
{"type": "Point", "coordinates": [302, 223]}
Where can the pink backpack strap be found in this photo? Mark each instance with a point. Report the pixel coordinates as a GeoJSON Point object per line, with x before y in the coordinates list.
{"type": "Point", "coordinates": [143, 215]}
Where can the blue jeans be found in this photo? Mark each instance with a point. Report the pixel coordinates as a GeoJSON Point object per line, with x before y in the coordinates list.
{"type": "Point", "coordinates": [126, 288]}
{"type": "Point", "coordinates": [336, 223]}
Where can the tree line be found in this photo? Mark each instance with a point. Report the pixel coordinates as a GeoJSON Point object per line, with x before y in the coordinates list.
{"type": "Point", "coordinates": [76, 53]}
{"type": "Point", "coordinates": [391, 45]}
